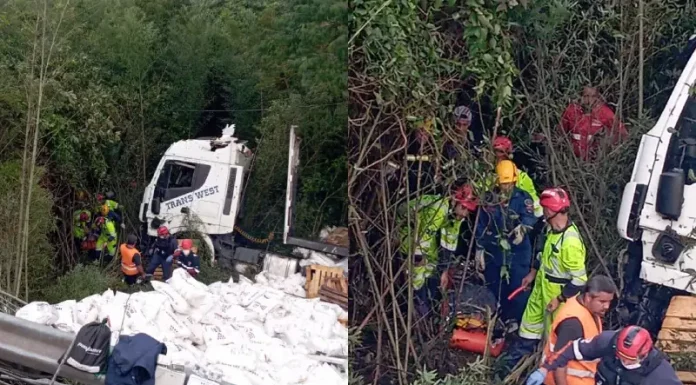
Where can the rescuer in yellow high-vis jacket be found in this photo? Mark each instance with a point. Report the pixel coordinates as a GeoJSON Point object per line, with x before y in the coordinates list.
{"type": "Point", "coordinates": [421, 218]}
{"type": "Point", "coordinates": [503, 148]}
{"type": "Point", "coordinates": [558, 272]}
{"type": "Point", "coordinates": [456, 232]}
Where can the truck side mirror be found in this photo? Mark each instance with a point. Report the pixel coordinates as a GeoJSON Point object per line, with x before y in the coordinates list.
{"type": "Point", "coordinates": [156, 206]}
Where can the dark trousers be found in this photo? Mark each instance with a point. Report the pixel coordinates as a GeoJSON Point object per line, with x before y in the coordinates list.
{"type": "Point", "coordinates": [96, 255]}
{"type": "Point", "coordinates": [428, 297]}
{"type": "Point", "coordinates": [502, 288]}
{"type": "Point", "coordinates": [130, 280]}
{"type": "Point", "coordinates": [166, 263]}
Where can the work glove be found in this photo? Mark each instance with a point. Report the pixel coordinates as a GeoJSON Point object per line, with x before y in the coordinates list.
{"type": "Point", "coordinates": [480, 259]}
{"type": "Point", "coordinates": [537, 377]}
{"type": "Point", "coordinates": [123, 226]}
{"type": "Point", "coordinates": [518, 234]}
{"type": "Point", "coordinates": [111, 239]}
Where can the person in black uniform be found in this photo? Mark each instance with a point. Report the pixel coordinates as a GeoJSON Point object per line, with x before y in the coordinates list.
{"type": "Point", "coordinates": [626, 357]}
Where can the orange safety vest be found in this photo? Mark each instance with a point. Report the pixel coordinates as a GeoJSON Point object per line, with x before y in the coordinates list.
{"type": "Point", "coordinates": [579, 372]}
{"type": "Point", "coordinates": [127, 265]}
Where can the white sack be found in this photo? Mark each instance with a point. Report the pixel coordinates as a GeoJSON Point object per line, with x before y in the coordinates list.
{"type": "Point", "coordinates": [177, 302]}
{"type": "Point", "coordinates": [172, 324]}
{"type": "Point", "coordinates": [87, 310]}
{"type": "Point", "coordinates": [187, 287]}
{"type": "Point", "coordinates": [238, 356]}
{"type": "Point", "coordinates": [39, 312]}
{"type": "Point", "coordinates": [66, 316]}
{"type": "Point", "coordinates": [215, 335]}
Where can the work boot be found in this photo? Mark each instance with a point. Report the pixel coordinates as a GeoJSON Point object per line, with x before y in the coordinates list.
{"type": "Point", "coordinates": [518, 349]}
{"type": "Point", "coordinates": [511, 326]}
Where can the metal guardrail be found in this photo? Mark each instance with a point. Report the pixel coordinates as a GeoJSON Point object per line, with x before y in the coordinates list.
{"type": "Point", "coordinates": [9, 304]}
{"type": "Point", "coordinates": [38, 347]}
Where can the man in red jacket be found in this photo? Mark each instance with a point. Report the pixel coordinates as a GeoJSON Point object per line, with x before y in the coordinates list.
{"type": "Point", "coordinates": [584, 122]}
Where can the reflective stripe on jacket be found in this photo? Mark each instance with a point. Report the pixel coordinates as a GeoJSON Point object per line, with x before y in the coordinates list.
{"type": "Point", "coordinates": [449, 234]}
{"type": "Point", "coordinates": [128, 267]}
{"type": "Point", "coordinates": [563, 258]}
{"type": "Point", "coordinates": [578, 372]}
{"type": "Point", "coordinates": [526, 184]}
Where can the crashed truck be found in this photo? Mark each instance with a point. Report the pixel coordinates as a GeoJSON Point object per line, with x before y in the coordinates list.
{"type": "Point", "coordinates": [233, 333]}
{"type": "Point", "coordinates": [200, 184]}
{"type": "Point", "coordinates": [658, 210]}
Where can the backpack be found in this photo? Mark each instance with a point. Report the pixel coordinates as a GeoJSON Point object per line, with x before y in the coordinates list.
{"type": "Point", "coordinates": [90, 350]}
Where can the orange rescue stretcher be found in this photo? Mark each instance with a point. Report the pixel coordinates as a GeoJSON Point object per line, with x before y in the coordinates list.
{"type": "Point", "coordinates": [471, 332]}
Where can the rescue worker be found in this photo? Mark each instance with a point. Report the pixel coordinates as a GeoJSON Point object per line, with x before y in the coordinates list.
{"type": "Point", "coordinates": [418, 240]}
{"type": "Point", "coordinates": [626, 357]}
{"type": "Point", "coordinates": [107, 236]}
{"type": "Point", "coordinates": [456, 142]}
{"type": "Point", "coordinates": [504, 250]}
{"type": "Point", "coordinates": [114, 207]}
{"type": "Point", "coordinates": [502, 145]}
{"type": "Point", "coordinates": [162, 253]}
{"type": "Point", "coordinates": [187, 259]}
{"type": "Point", "coordinates": [81, 226]}
{"type": "Point", "coordinates": [419, 156]}
{"type": "Point", "coordinates": [456, 232]}
{"type": "Point", "coordinates": [81, 220]}
{"type": "Point", "coordinates": [558, 272]}
{"type": "Point", "coordinates": [131, 261]}
{"type": "Point", "coordinates": [585, 121]}
{"type": "Point", "coordinates": [579, 318]}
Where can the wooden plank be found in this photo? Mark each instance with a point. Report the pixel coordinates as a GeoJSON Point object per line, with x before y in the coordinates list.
{"type": "Point", "coordinates": [317, 275]}
{"type": "Point", "coordinates": [674, 323]}
{"type": "Point", "coordinates": [682, 307]}
{"type": "Point", "coordinates": [687, 377]}
{"type": "Point", "coordinates": [676, 335]}
{"type": "Point", "coordinates": [676, 346]}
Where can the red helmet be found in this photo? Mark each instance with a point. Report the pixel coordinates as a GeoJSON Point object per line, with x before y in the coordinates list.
{"type": "Point", "coordinates": [162, 231]}
{"type": "Point", "coordinates": [555, 199]}
{"type": "Point", "coordinates": [100, 197]}
{"type": "Point", "coordinates": [465, 197]}
{"type": "Point", "coordinates": [100, 221]}
{"type": "Point", "coordinates": [84, 217]}
{"type": "Point", "coordinates": [186, 244]}
{"type": "Point", "coordinates": [633, 343]}
{"type": "Point", "coordinates": [502, 143]}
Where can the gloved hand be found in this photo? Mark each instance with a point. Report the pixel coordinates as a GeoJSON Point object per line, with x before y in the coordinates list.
{"type": "Point", "coordinates": [177, 253]}
{"type": "Point", "coordinates": [480, 259]}
{"type": "Point", "coordinates": [537, 377]}
{"type": "Point", "coordinates": [518, 234]}
{"type": "Point", "coordinates": [123, 226]}
{"type": "Point", "coordinates": [111, 239]}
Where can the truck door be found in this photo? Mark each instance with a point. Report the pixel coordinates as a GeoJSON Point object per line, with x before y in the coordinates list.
{"type": "Point", "coordinates": [233, 195]}
{"type": "Point", "coordinates": [183, 188]}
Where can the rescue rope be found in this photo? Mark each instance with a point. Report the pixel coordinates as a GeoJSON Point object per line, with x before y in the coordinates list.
{"type": "Point", "coordinates": [254, 239]}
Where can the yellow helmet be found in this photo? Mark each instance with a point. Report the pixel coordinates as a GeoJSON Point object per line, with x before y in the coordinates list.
{"type": "Point", "coordinates": [507, 172]}
{"type": "Point", "coordinates": [104, 209]}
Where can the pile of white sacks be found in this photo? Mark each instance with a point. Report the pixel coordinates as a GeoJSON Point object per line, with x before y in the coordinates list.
{"type": "Point", "coordinates": [243, 333]}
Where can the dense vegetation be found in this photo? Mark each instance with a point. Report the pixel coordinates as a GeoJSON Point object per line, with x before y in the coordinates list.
{"type": "Point", "coordinates": [93, 91]}
{"type": "Point", "coordinates": [410, 60]}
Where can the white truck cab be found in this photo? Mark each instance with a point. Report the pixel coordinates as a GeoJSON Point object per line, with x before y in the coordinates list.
{"type": "Point", "coordinates": [198, 183]}
{"type": "Point", "coordinates": [658, 206]}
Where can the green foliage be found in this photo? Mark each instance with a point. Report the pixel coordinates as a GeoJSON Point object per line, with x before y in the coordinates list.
{"type": "Point", "coordinates": [81, 282]}
{"type": "Point", "coordinates": [40, 225]}
{"type": "Point", "coordinates": [127, 78]}
{"type": "Point", "coordinates": [530, 58]}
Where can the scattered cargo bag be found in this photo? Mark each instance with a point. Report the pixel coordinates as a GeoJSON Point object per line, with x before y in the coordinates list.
{"type": "Point", "coordinates": [90, 351]}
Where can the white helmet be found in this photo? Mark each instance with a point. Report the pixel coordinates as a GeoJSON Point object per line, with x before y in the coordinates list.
{"type": "Point", "coordinates": [462, 113]}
